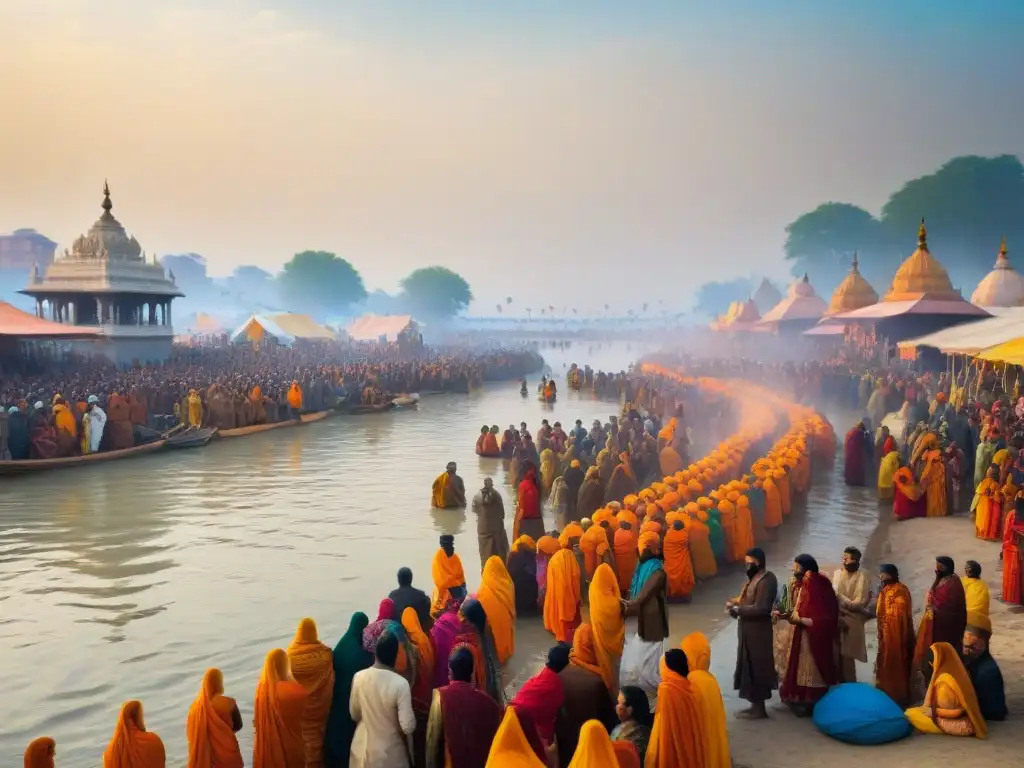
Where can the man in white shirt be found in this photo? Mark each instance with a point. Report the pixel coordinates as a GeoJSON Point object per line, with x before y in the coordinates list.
{"type": "Point", "coordinates": [97, 421]}
{"type": "Point", "coordinates": [851, 586]}
{"type": "Point", "coordinates": [381, 706]}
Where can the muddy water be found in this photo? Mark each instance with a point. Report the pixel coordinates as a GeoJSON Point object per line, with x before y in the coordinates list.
{"type": "Point", "coordinates": [128, 580]}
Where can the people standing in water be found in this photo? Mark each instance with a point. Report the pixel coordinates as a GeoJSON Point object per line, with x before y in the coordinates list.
{"type": "Point", "coordinates": [490, 523]}
{"type": "Point", "coordinates": [448, 491]}
{"type": "Point", "coordinates": [449, 578]}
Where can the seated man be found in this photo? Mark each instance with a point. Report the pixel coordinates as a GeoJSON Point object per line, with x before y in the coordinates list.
{"type": "Point", "coordinates": [982, 668]}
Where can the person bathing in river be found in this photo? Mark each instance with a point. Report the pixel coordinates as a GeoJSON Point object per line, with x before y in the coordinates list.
{"type": "Point", "coordinates": [487, 444]}
{"type": "Point", "coordinates": [448, 491]}
{"type": "Point", "coordinates": [490, 523]}
{"type": "Point", "coordinates": [528, 515]}
{"type": "Point", "coordinates": [448, 575]}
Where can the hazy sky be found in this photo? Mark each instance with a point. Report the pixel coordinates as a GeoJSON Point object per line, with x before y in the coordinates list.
{"type": "Point", "coordinates": [558, 152]}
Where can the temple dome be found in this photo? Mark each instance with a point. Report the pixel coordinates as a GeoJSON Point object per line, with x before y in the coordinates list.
{"type": "Point", "coordinates": [766, 296]}
{"type": "Point", "coordinates": [801, 303]}
{"type": "Point", "coordinates": [1002, 287]}
{"type": "Point", "coordinates": [921, 276]}
{"type": "Point", "coordinates": [853, 293]}
{"type": "Point", "coordinates": [106, 238]}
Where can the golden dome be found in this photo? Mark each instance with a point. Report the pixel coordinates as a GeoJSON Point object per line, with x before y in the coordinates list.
{"type": "Point", "coordinates": [1002, 287]}
{"type": "Point", "coordinates": [853, 293]}
{"type": "Point", "coordinates": [921, 275]}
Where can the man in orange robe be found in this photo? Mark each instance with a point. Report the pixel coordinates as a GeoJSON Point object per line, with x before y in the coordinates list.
{"type": "Point", "coordinates": [295, 399]}
{"type": "Point", "coordinates": [449, 578]}
{"type": "Point", "coordinates": [678, 565]}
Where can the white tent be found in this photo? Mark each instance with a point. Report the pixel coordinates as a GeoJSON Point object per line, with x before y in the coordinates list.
{"type": "Point", "coordinates": [259, 327]}
{"type": "Point", "coordinates": [971, 338]}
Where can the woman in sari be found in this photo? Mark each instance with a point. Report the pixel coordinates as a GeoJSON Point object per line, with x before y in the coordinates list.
{"type": "Point", "coordinates": [423, 685]}
{"type": "Point", "coordinates": [279, 707]}
{"type": "Point", "coordinates": [522, 569]}
{"type": "Point", "coordinates": [548, 470]}
{"type": "Point", "coordinates": [559, 503]}
{"type": "Point", "coordinates": [41, 753]}
{"type": "Point", "coordinates": [312, 665]}
{"type": "Point", "coordinates": [510, 748]}
{"type": "Point", "coordinates": [676, 739]}
{"type": "Point", "coordinates": [562, 601]}
{"type": "Point", "coordinates": [811, 669]}
{"type": "Point", "coordinates": [635, 720]}
{"type": "Point", "coordinates": [782, 630]}
{"type": "Point", "coordinates": [945, 611]}
{"type": "Point", "coordinates": [528, 518]}
{"type": "Point", "coordinates": [1011, 553]}
{"type": "Point", "coordinates": [132, 746]}
{"type": "Point", "coordinates": [908, 498]}
{"type": "Point", "coordinates": [623, 480]}
{"type": "Point", "coordinates": [487, 673]}
{"type": "Point", "coordinates": [698, 658]}
{"type": "Point", "coordinates": [497, 596]}
{"type": "Point", "coordinates": [547, 547]}
{"type": "Point", "coordinates": [387, 622]}
{"type": "Point", "coordinates": [894, 615]}
{"type": "Point", "coordinates": [594, 749]}
{"type": "Point", "coordinates": [348, 658]}
{"type": "Point", "coordinates": [987, 506]}
{"type": "Point", "coordinates": [608, 627]}
{"type": "Point", "coordinates": [213, 721]}
{"type": "Point", "coordinates": [950, 704]}
{"type": "Point", "coordinates": [591, 495]}
{"type": "Point", "coordinates": [541, 698]}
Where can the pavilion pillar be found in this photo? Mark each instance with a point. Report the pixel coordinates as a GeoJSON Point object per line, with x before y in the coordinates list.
{"type": "Point", "coordinates": [168, 312]}
{"type": "Point", "coordinates": [152, 313]}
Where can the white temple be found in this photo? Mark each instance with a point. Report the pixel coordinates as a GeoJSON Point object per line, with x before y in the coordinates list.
{"type": "Point", "coordinates": [1002, 287]}
{"type": "Point", "coordinates": [105, 281]}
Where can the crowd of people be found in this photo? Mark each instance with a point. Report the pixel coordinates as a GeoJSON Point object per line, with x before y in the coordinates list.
{"type": "Point", "coordinates": [84, 405]}
{"type": "Point", "coordinates": [956, 452]}
{"type": "Point", "coordinates": [421, 684]}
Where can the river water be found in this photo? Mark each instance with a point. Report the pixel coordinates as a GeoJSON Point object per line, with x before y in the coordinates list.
{"type": "Point", "coordinates": [129, 580]}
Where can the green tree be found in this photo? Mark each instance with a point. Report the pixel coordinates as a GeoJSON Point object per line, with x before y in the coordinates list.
{"type": "Point", "coordinates": [436, 292]}
{"type": "Point", "coordinates": [821, 244]}
{"type": "Point", "coordinates": [713, 299]}
{"type": "Point", "coordinates": [968, 204]}
{"type": "Point", "coordinates": [320, 281]}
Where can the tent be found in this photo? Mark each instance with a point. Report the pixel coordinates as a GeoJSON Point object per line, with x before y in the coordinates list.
{"type": "Point", "coordinates": [301, 327]}
{"type": "Point", "coordinates": [375, 327]}
{"type": "Point", "coordinates": [972, 338]}
{"type": "Point", "coordinates": [257, 328]}
{"type": "Point", "coordinates": [1011, 352]}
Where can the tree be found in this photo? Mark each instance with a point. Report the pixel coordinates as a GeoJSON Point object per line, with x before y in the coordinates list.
{"type": "Point", "coordinates": [821, 244]}
{"type": "Point", "coordinates": [320, 281]}
{"type": "Point", "coordinates": [436, 292]}
{"type": "Point", "coordinates": [713, 299]}
{"type": "Point", "coordinates": [969, 204]}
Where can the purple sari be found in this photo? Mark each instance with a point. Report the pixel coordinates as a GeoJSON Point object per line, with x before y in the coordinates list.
{"type": "Point", "coordinates": [446, 629]}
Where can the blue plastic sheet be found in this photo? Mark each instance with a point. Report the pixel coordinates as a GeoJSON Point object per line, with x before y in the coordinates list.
{"type": "Point", "coordinates": [857, 713]}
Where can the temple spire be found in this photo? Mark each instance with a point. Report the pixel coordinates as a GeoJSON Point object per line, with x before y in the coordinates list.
{"type": "Point", "coordinates": [107, 205]}
{"type": "Point", "coordinates": [922, 237]}
{"type": "Point", "coordinates": [1002, 248]}
{"type": "Point", "coordinates": [855, 262]}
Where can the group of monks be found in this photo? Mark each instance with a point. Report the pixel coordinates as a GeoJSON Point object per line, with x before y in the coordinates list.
{"type": "Point", "coordinates": [303, 687]}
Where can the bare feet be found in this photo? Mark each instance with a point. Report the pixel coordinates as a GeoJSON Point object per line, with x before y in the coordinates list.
{"type": "Point", "coordinates": [752, 713]}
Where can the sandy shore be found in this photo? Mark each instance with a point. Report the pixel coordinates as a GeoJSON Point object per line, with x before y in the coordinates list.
{"type": "Point", "coordinates": [786, 741]}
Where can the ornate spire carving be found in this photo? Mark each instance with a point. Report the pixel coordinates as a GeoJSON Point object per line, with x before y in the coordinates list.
{"type": "Point", "coordinates": [922, 237]}
{"type": "Point", "coordinates": [107, 205]}
{"type": "Point", "coordinates": [855, 263]}
{"type": "Point", "coordinates": [1002, 248]}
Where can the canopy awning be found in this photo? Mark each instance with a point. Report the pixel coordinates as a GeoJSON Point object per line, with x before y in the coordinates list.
{"type": "Point", "coordinates": [373, 327]}
{"type": "Point", "coordinates": [1011, 352]}
{"type": "Point", "coordinates": [257, 327]}
{"type": "Point", "coordinates": [14, 322]}
{"type": "Point", "coordinates": [972, 338]}
{"type": "Point", "coordinates": [919, 306]}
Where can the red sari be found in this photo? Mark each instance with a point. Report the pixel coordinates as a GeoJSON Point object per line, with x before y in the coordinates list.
{"type": "Point", "coordinates": [945, 620]}
{"type": "Point", "coordinates": [853, 462]}
{"type": "Point", "coordinates": [528, 507]}
{"type": "Point", "coordinates": [1011, 560]}
{"type": "Point", "coordinates": [817, 601]}
{"type": "Point", "coordinates": [908, 500]}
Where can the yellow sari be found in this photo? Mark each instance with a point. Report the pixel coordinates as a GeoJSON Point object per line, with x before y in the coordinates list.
{"type": "Point", "coordinates": [698, 656]}
{"type": "Point", "coordinates": [950, 705]}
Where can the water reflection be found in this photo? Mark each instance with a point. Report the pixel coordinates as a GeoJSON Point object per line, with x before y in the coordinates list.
{"type": "Point", "coordinates": [129, 580]}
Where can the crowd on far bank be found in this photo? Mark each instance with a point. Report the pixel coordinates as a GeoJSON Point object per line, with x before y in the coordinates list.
{"type": "Point", "coordinates": [49, 406]}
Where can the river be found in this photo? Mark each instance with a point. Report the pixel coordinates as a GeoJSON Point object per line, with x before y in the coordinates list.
{"type": "Point", "coordinates": [129, 580]}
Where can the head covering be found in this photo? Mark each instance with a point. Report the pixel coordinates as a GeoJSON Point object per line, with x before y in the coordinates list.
{"type": "Point", "coordinates": [510, 748]}
{"type": "Point", "coordinates": [950, 677]}
{"type": "Point", "coordinates": [40, 752]}
{"type": "Point", "coordinates": [497, 596]}
{"type": "Point", "coordinates": [594, 749]}
{"type": "Point", "coordinates": [979, 624]}
{"type": "Point", "coordinates": [39, 405]}
{"type": "Point", "coordinates": [606, 622]}
{"type": "Point", "coordinates": [349, 658]}
{"type": "Point", "coordinates": [131, 746]}
{"type": "Point", "coordinates": [583, 653]}
{"type": "Point", "coordinates": [211, 739]}
{"type": "Point", "coordinates": [93, 399]}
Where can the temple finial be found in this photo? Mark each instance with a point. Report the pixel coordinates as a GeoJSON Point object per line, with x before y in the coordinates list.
{"type": "Point", "coordinates": [1002, 248]}
{"type": "Point", "coordinates": [107, 205]}
{"type": "Point", "coordinates": [855, 262]}
{"type": "Point", "coordinates": [922, 237]}
{"type": "Point", "coordinates": [806, 279]}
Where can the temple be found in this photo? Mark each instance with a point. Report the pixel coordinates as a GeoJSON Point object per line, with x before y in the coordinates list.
{"type": "Point", "coordinates": [1002, 287]}
{"type": "Point", "coordinates": [801, 309]}
{"type": "Point", "coordinates": [106, 283]}
{"type": "Point", "coordinates": [766, 296]}
{"type": "Point", "coordinates": [741, 316]}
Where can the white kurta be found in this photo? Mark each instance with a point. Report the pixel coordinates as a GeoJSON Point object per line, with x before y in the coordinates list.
{"type": "Point", "coordinates": [853, 594]}
{"type": "Point", "coordinates": [380, 704]}
{"type": "Point", "coordinates": [97, 421]}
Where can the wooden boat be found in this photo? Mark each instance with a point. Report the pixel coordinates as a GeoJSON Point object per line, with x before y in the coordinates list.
{"type": "Point", "coordinates": [192, 438]}
{"type": "Point", "coordinates": [360, 410]}
{"type": "Point", "coordinates": [39, 465]}
{"type": "Point", "coordinates": [305, 418]}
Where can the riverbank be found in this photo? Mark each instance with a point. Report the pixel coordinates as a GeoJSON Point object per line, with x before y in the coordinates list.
{"type": "Point", "coordinates": [785, 740]}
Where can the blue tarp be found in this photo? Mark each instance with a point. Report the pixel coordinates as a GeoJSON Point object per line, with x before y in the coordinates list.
{"type": "Point", "coordinates": [857, 713]}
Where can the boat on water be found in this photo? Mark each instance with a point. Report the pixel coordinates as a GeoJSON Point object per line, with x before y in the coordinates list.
{"type": "Point", "coordinates": [406, 401]}
{"type": "Point", "coordinates": [305, 418]}
{"type": "Point", "coordinates": [26, 466]}
{"type": "Point", "coordinates": [360, 410]}
{"type": "Point", "coordinates": [192, 438]}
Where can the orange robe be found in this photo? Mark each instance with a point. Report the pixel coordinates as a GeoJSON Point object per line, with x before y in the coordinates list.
{"type": "Point", "coordinates": [447, 573]}
{"type": "Point", "coordinates": [677, 739]}
{"type": "Point", "coordinates": [132, 746]}
{"type": "Point", "coordinates": [703, 557]}
{"type": "Point", "coordinates": [626, 557]}
{"type": "Point", "coordinates": [211, 734]}
{"type": "Point", "coordinates": [727, 513]}
{"type": "Point", "coordinates": [607, 623]}
{"type": "Point", "coordinates": [988, 510]}
{"type": "Point", "coordinates": [497, 596]}
{"type": "Point", "coordinates": [40, 753]}
{"type": "Point", "coordinates": [785, 493]}
{"type": "Point", "coordinates": [295, 397]}
{"type": "Point", "coordinates": [678, 565]}
{"type": "Point", "coordinates": [312, 665]}
{"type": "Point", "coordinates": [279, 707]}
{"type": "Point", "coordinates": [773, 509]}
{"type": "Point", "coordinates": [562, 601]}
{"type": "Point", "coordinates": [894, 663]}
{"type": "Point", "coordinates": [933, 480]}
